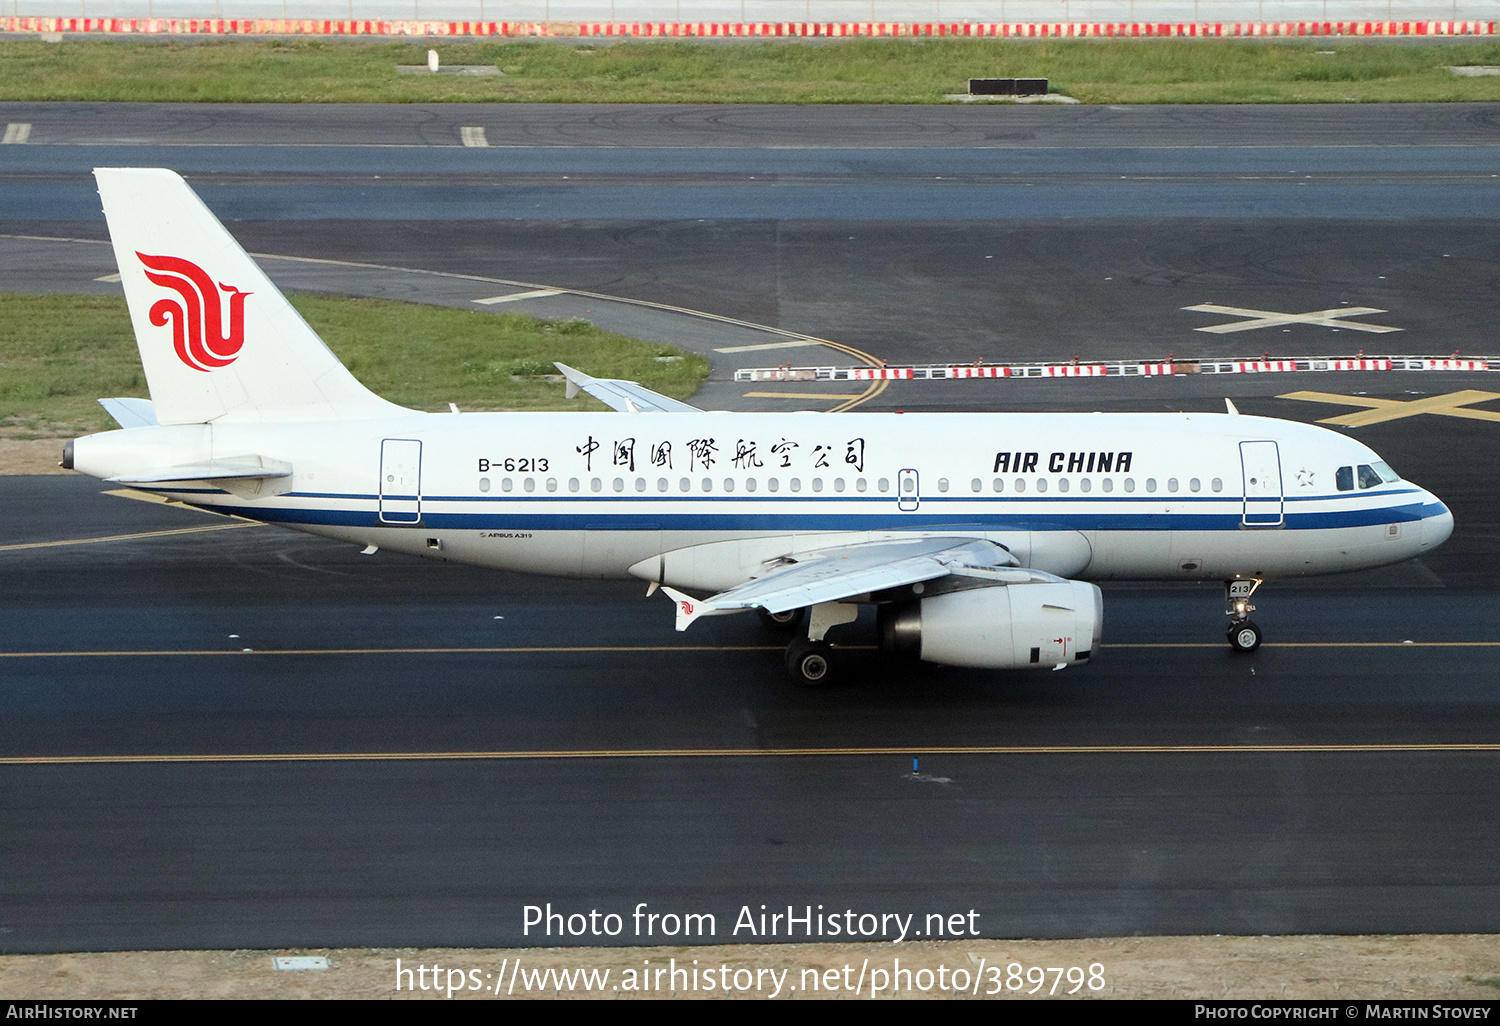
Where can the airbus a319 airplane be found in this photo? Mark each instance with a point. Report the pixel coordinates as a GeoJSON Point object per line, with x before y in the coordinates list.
{"type": "Point", "coordinates": [976, 536]}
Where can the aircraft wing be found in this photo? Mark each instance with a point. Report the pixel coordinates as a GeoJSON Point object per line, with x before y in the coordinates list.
{"type": "Point", "coordinates": [625, 396]}
{"type": "Point", "coordinates": [845, 571]}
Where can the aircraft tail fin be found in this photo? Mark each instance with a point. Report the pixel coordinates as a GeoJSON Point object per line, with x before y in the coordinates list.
{"type": "Point", "coordinates": [217, 339]}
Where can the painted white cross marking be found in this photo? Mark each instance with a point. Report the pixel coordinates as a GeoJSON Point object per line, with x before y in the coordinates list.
{"type": "Point", "coordinates": [1269, 318]}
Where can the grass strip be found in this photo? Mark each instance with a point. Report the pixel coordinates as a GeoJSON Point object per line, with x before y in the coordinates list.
{"type": "Point", "coordinates": [293, 70]}
{"type": "Point", "coordinates": [59, 353]}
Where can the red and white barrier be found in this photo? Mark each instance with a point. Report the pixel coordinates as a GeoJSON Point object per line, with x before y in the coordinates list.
{"type": "Point", "coordinates": [1316, 365]}
{"type": "Point", "coordinates": [718, 30]}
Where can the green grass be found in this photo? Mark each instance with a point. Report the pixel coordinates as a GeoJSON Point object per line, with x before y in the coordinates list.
{"type": "Point", "coordinates": [852, 71]}
{"type": "Point", "coordinates": [58, 354]}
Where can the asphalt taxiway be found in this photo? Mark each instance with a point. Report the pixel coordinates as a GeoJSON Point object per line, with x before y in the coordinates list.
{"type": "Point", "coordinates": [410, 751]}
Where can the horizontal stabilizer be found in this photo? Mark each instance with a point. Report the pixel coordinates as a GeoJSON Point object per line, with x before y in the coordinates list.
{"type": "Point", "coordinates": [130, 413]}
{"type": "Point", "coordinates": [239, 467]}
{"type": "Point", "coordinates": [625, 396]}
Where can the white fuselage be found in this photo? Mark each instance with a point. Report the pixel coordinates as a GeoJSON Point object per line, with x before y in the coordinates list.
{"type": "Point", "coordinates": [1091, 496]}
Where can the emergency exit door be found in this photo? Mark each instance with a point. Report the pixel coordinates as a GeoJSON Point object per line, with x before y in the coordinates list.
{"type": "Point", "coordinates": [400, 481]}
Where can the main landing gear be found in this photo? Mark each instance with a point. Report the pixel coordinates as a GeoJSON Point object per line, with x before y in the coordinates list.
{"type": "Point", "coordinates": [810, 661]}
{"type": "Point", "coordinates": [1244, 635]}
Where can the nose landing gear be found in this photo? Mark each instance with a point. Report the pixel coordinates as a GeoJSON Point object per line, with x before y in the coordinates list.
{"type": "Point", "coordinates": [1244, 635]}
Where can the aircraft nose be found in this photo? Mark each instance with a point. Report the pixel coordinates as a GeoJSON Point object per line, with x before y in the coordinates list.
{"type": "Point", "coordinates": [1437, 529]}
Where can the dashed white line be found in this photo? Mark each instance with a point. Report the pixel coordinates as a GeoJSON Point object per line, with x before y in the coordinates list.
{"type": "Point", "coordinates": [108, 277]}
{"type": "Point", "coordinates": [16, 132]}
{"type": "Point", "coordinates": [473, 136]}
{"type": "Point", "coordinates": [793, 344]}
{"type": "Point", "coordinates": [533, 294]}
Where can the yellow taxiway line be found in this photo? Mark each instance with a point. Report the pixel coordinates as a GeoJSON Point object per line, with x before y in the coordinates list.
{"type": "Point", "coordinates": [128, 537]}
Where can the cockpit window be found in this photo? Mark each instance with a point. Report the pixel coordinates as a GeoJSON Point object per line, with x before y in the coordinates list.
{"type": "Point", "coordinates": [1344, 478]}
{"type": "Point", "coordinates": [1387, 475]}
{"type": "Point", "coordinates": [1367, 476]}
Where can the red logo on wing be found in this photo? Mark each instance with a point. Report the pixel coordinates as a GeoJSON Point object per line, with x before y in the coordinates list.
{"type": "Point", "coordinates": [198, 321]}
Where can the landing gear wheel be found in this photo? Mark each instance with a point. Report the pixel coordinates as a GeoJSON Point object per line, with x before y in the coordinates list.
{"type": "Point", "coordinates": [810, 663]}
{"type": "Point", "coordinates": [1244, 636]}
{"type": "Point", "coordinates": [781, 623]}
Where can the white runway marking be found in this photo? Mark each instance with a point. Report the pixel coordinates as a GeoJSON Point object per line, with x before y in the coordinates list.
{"type": "Point", "coordinates": [795, 343]}
{"type": "Point", "coordinates": [473, 136]}
{"type": "Point", "coordinates": [16, 132]}
{"type": "Point", "coordinates": [533, 294]}
{"type": "Point", "coordinates": [1271, 319]}
{"type": "Point", "coordinates": [108, 277]}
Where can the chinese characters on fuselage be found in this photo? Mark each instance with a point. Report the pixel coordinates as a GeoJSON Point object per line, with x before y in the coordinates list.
{"type": "Point", "coordinates": [704, 453]}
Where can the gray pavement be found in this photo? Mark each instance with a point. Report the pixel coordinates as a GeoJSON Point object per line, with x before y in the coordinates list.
{"type": "Point", "coordinates": [156, 854]}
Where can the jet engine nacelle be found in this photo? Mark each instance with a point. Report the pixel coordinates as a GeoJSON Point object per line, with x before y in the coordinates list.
{"type": "Point", "coordinates": [1044, 625]}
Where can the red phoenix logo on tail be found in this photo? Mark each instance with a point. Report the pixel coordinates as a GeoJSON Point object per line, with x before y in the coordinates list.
{"type": "Point", "coordinates": [198, 321]}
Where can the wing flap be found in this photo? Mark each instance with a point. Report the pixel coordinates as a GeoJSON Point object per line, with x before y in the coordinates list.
{"type": "Point", "coordinates": [625, 396]}
{"type": "Point", "coordinates": [832, 575]}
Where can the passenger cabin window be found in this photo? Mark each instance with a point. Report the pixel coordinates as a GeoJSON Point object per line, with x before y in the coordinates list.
{"type": "Point", "coordinates": [976, 485]}
{"type": "Point", "coordinates": [1194, 485]}
{"type": "Point", "coordinates": [1343, 479]}
{"type": "Point", "coordinates": [572, 484]}
{"type": "Point", "coordinates": [859, 485]}
{"type": "Point", "coordinates": [1171, 484]}
{"type": "Point", "coordinates": [505, 484]}
{"type": "Point", "coordinates": [1130, 484]}
{"type": "Point", "coordinates": [1041, 484]}
{"type": "Point", "coordinates": [749, 484]}
{"type": "Point", "coordinates": [1150, 484]}
{"type": "Point", "coordinates": [817, 484]}
{"type": "Point", "coordinates": [619, 484]}
{"type": "Point", "coordinates": [484, 484]}
{"type": "Point", "coordinates": [1086, 485]}
{"type": "Point", "coordinates": [1062, 484]}
{"type": "Point", "coordinates": [662, 484]}
{"type": "Point", "coordinates": [885, 484]}
{"type": "Point", "coordinates": [1218, 484]}
{"type": "Point", "coordinates": [998, 484]}
{"type": "Point", "coordinates": [942, 484]}
{"type": "Point", "coordinates": [1109, 484]}
{"type": "Point", "coordinates": [1368, 478]}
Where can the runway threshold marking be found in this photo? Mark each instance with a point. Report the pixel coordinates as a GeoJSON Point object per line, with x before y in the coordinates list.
{"type": "Point", "coordinates": [1378, 411]}
{"type": "Point", "coordinates": [743, 753]}
{"type": "Point", "coordinates": [128, 537]}
{"type": "Point", "coordinates": [16, 133]}
{"type": "Point", "coordinates": [565, 649]}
